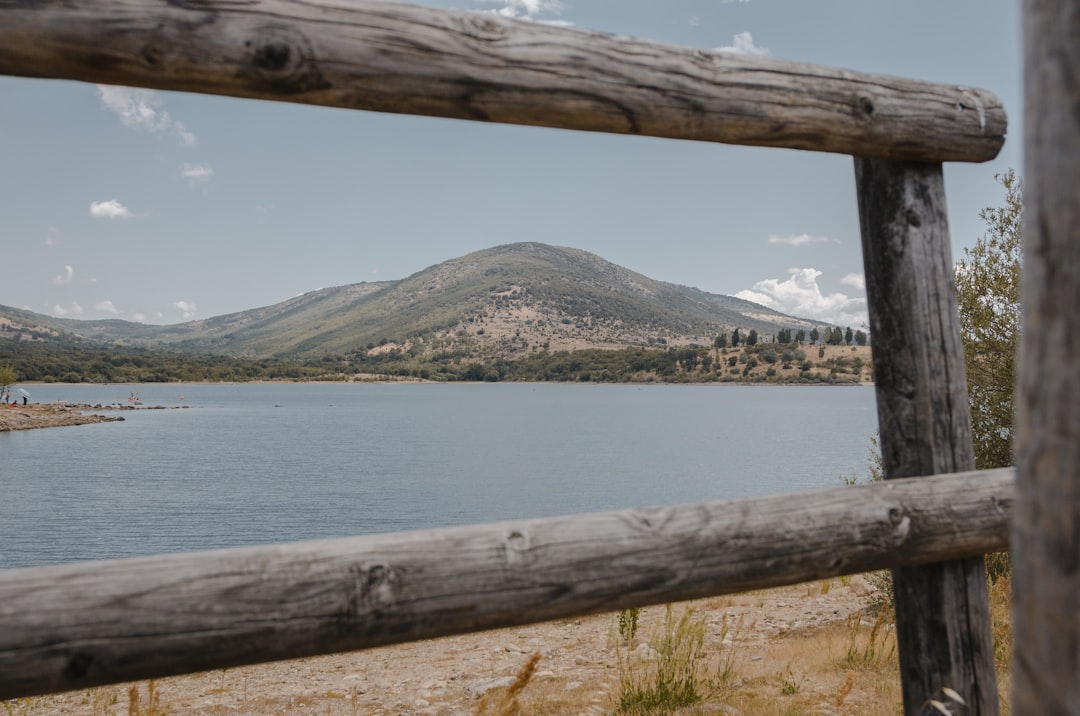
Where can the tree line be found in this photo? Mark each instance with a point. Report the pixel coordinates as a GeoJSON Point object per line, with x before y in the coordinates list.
{"type": "Point", "coordinates": [770, 362]}
{"type": "Point", "coordinates": [833, 336]}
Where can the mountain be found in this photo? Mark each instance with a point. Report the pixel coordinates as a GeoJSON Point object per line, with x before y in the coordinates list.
{"type": "Point", "coordinates": [506, 301]}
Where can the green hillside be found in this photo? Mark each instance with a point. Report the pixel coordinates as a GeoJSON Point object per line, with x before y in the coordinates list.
{"type": "Point", "coordinates": [507, 302]}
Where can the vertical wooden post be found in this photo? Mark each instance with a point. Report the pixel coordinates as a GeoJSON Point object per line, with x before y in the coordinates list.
{"type": "Point", "coordinates": [1046, 528]}
{"type": "Point", "coordinates": [942, 611]}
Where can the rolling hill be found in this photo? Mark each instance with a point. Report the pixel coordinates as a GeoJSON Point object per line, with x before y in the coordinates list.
{"type": "Point", "coordinates": [506, 302]}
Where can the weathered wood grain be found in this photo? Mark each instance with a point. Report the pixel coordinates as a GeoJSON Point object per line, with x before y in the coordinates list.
{"type": "Point", "coordinates": [1046, 563]}
{"type": "Point", "coordinates": [942, 610]}
{"type": "Point", "coordinates": [78, 625]}
{"type": "Point", "coordinates": [393, 57]}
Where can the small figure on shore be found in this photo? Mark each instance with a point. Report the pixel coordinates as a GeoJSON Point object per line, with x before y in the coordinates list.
{"type": "Point", "coordinates": [24, 400]}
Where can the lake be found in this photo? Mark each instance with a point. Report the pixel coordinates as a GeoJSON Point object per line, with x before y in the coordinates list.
{"type": "Point", "coordinates": [253, 464]}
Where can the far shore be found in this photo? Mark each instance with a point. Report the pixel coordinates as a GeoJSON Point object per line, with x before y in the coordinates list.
{"type": "Point", "coordinates": [59, 415]}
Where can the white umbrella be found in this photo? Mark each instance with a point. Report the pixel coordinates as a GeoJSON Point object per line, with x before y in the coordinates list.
{"type": "Point", "coordinates": [23, 392]}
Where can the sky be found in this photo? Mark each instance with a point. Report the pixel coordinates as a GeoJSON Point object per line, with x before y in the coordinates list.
{"type": "Point", "coordinates": [162, 207]}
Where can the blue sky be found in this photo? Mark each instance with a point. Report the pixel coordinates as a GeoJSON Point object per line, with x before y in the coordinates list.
{"type": "Point", "coordinates": [163, 207]}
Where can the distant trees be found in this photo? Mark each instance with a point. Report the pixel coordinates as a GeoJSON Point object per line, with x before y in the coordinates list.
{"type": "Point", "coordinates": [860, 337]}
{"type": "Point", "coordinates": [751, 338]}
{"type": "Point", "coordinates": [736, 339]}
{"type": "Point", "coordinates": [814, 335]}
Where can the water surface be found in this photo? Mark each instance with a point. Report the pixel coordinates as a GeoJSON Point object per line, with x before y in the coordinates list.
{"type": "Point", "coordinates": [249, 464]}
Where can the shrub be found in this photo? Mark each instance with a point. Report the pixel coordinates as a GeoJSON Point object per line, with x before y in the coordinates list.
{"type": "Point", "coordinates": [672, 681]}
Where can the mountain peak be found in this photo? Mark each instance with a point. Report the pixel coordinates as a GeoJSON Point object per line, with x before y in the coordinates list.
{"type": "Point", "coordinates": [506, 301]}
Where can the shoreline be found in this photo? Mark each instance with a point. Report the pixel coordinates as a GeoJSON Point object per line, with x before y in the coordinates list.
{"type": "Point", "coordinates": [35, 416]}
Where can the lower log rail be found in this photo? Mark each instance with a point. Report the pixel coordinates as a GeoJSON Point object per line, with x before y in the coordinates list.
{"type": "Point", "coordinates": [88, 624]}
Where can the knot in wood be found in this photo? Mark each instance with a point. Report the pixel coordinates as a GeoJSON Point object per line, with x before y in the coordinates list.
{"type": "Point", "coordinates": [378, 585]}
{"type": "Point", "coordinates": [283, 58]}
{"type": "Point", "coordinates": [152, 54]}
{"type": "Point", "coordinates": [484, 28]}
{"type": "Point", "coordinates": [515, 547]}
{"type": "Point", "coordinates": [865, 106]}
{"type": "Point", "coordinates": [901, 524]}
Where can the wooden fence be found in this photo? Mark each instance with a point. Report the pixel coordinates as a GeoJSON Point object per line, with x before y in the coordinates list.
{"type": "Point", "coordinates": [73, 626]}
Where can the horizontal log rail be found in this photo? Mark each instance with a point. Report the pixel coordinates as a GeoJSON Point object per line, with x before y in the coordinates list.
{"type": "Point", "coordinates": [85, 624]}
{"type": "Point", "coordinates": [393, 57]}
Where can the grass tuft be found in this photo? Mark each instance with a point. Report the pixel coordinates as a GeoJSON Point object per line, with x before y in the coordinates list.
{"type": "Point", "coordinates": [668, 678]}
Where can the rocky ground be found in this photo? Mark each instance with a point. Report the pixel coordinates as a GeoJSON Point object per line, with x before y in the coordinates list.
{"type": "Point", "coordinates": [27, 417]}
{"type": "Point", "coordinates": [577, 671]}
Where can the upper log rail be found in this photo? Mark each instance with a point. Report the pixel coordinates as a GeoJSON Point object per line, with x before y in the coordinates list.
{"type": "Point", "coordinates": [85, 624]}
{"type": "Point", "coordinates": [392, 57]}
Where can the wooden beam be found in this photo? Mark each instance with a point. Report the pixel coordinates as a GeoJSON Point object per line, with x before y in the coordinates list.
{"type": "Point", "coordinates": [80, 625]}
{"type": "Point", "coordinates": [393, 57]}
{"type": "Point", "coordinates": [1046, 560]}
{"type": "Point", "coordinates": [942, 610]}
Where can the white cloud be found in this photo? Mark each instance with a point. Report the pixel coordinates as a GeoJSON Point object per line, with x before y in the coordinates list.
{"type": "Point", "coordinates": [52, 236]}
{"type": "Point", "coordinates": [106, 307]}
{"type": "Point", "coordinates": [142, 109]}
{"type": "Point", "coordinates": [531, 10]}
{"type": "Point", "coordinates": [743, 44]}
{"type": "Point", "coordinates": [186, 308]}
{"type": "Point", "coordinates": [139, 316]}
{"type": "Point", "coordinates": [111, 209]}
{"type": "Point", "coordinates": [855, 280]}
{"type": "Point", "coordinates": [799, 295]}
{"type": "Point", "coordinates": [65, 277]}
{"type": "Point", "coordinates": [59, 310]}
{"type": "Point", "coordinates": [197, 173]}
{"type": "Point", "coordinates": [797, 239]}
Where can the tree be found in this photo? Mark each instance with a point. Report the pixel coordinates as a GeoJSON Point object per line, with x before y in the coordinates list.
{"type": "Point", "coordinates": [8, 376]}
{"type": "Point", "coordinates": [735, 338]}
{"type": "Point", "coordinates": [848, 336]}
{"type": "Point", "coordinates": [719, 342]}
{"type": "Point", "coordinates": [988, 294]}
{"type": "Point", "coordinates": [860, 337]}
{"type": "Point", "coordinates": [751, 338]}
{"type": "Point", "coordinates": [813, 335]}
{"type": "Point", "coordinates": [800, 336]}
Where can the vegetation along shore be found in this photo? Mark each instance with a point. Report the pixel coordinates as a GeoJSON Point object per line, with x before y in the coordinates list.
{"type": "Point", "coordinates": [518, 312]}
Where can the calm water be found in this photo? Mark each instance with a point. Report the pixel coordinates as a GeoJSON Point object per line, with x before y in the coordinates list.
{"type": "Point", "coordinates": [248, 464]}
